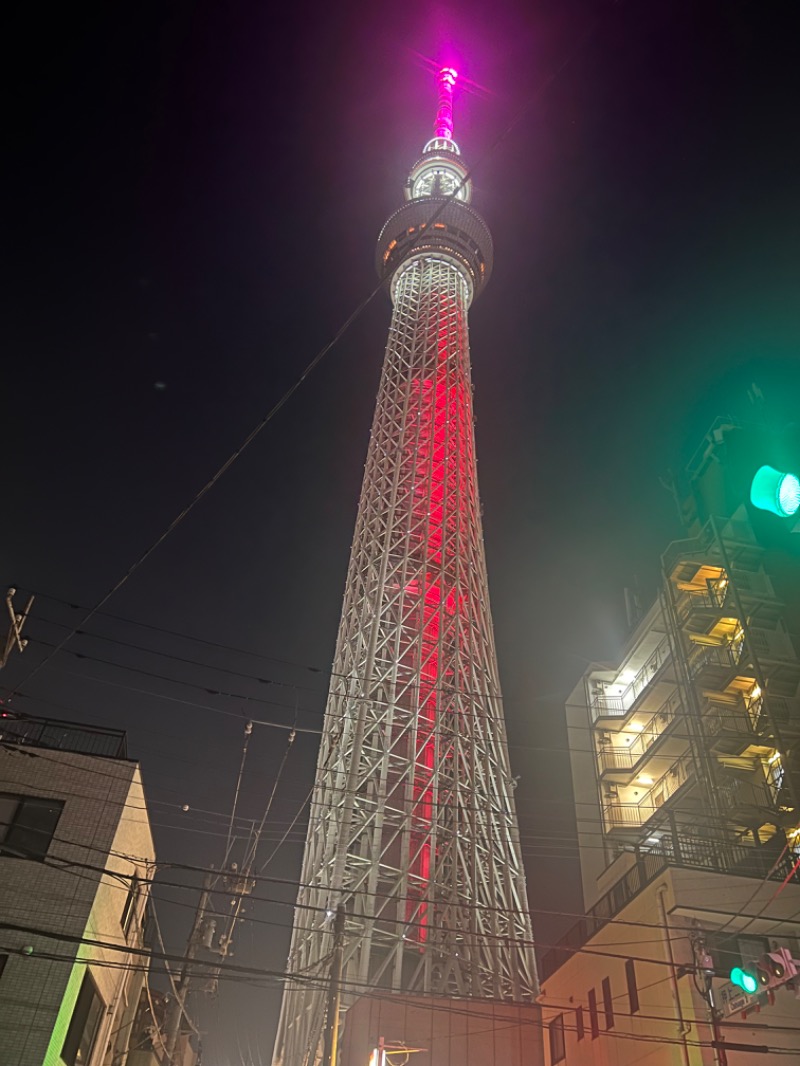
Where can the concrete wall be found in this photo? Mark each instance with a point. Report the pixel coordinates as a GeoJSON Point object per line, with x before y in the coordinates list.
{"type": "Point", "coordinates": [103, 824]}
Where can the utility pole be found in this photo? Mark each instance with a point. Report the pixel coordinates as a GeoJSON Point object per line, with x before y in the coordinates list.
{"type": "Point", "coordinates": [14, 636]}
{"type": "Point", "coordinates": [330, 1053]}
{"type": "Point", "coordinates": [196, 939]}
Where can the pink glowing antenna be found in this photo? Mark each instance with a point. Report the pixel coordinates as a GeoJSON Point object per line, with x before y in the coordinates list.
{"type": "Point", "coordinates": [443, 127]}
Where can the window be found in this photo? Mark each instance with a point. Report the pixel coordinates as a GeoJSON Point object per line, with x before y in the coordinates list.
{"type": "Point", "coordinates": [83, 1027]}
{"type": "Point", "coordinates": [579, 1023]}
{"type": "Point", "coordinates": [27, 824]}
{"type": "Point", "coordinates": [633, 990]}
{"type": "Point", "coordinates": [594, 1025]}
{"type": "Point", "coordinates": [131, 903]}
{"type": "Point", "coordinates": [608, 1003]}
{"type": "Point", "coordinates": [3, 961]}
{"type": "Point", "coordinates": [556, 1030]}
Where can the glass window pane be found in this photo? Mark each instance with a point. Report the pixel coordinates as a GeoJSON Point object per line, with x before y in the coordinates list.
{"type": "Point", "coordinates": [557, 1050]}
{"type": "Point", "coordinates": [83, 1026]}
{"type": "Point", "coordinates": [33, 826]}
{"type": "Point", "coordinates": [633, 991]}
{"type": "Point", "coordinates": [8, 809]}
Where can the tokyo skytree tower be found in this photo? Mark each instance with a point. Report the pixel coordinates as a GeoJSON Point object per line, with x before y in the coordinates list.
{"type": "Point", "coordinates": [412, 822]}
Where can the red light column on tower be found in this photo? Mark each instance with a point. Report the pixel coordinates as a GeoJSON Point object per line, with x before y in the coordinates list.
{"type": "Point", "coordinates": [412, 824]}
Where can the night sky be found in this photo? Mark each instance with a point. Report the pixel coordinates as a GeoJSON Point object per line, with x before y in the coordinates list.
{"type": "Point", "coordinates": [194, 195]}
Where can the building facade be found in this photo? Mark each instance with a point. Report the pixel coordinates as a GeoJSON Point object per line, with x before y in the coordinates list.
{"type": "Point", "coordinates": [413, 830]}
{"type": "Point", "coordinates": [684, 765]}
{"type": "Point", "coordinates": [76, 858]}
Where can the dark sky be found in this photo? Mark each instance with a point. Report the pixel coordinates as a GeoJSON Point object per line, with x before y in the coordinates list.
{"type": "Point", "coordinates": [194, 195]}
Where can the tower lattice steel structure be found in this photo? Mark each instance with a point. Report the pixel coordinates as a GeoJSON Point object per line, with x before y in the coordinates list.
{"type": "Point", "coordinates": [412, 824]}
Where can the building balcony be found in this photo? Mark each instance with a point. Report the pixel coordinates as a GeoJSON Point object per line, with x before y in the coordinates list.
{"type": "Point", "coordinates": [728, 724]}
{"type": "Point", "coordinates": [636, 743]}
{"type": "Point", "coordinates": [712, 663]}
{"type": "Point", "coordinates": [621, 813]}
{"type": "Point", "coordinates": [763, 711]}
{"type": "Point", "coordinates": [618, 699]}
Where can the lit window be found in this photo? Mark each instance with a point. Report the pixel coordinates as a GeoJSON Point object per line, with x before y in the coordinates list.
{"type": "Point", "coordinates": [27, 825]}
{"type": "Point", "coordinates": [557, 1049]}
{"type": "Point", "coordinates": [83, 1026]}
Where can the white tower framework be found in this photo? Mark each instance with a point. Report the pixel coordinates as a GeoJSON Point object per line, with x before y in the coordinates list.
{"type": "Point", "coordinates": [412, 824]}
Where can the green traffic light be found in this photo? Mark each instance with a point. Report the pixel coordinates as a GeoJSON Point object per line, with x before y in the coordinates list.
{"type": "Point", "coordinates": [776, 492]}
{"type": "Point", "coordinates": [744, 980]}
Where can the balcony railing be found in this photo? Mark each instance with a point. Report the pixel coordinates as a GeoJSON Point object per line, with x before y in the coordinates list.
{"type": "Point", "coordinates": [783, 710]}
{"type": "Point", "coordinates": [727, 716]}
{"type": "Point", "coordinates": [625, 756]}
{"type": "Point", "coordinates": [624, 815]}
{"type": "Point", "coordinates": [618, 704]}
{"type": "Point", "coordinates": [713, 598]}
{"type": "Point", "coordinates": [701, 656]}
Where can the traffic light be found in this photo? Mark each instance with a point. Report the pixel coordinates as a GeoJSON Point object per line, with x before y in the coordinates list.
{"type": "Point", "coordinates": [775, 968]}
{"type": "Point", "coordinates": [776, 492]}
{"type": "Point", "coordinates": [744, 979]}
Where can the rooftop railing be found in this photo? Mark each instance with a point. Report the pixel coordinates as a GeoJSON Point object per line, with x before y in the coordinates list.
{"type": "Point", "coordinates": [62, 736]}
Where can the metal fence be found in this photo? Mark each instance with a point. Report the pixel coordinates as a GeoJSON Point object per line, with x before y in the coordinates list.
{"type": "Point", "coordinates": [63, 736]}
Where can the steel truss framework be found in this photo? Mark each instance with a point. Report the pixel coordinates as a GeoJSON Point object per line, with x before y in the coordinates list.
{"type": "Point", "coordinates": [412, 825]}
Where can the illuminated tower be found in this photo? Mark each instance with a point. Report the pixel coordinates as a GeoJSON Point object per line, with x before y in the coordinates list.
{"type": "Point", "coordinates": [412, 824]}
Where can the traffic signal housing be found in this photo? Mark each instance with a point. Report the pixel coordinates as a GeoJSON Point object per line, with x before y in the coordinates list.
{"type": "Point", "coordinates": [775, 968]}
{"type": "Point", "coordinates": [775, 491]}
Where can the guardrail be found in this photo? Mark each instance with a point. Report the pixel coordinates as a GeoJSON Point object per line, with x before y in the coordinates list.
{"type": "Point", "coordinates": [63, 736]}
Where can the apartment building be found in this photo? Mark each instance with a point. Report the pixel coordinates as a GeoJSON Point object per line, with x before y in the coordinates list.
{"type": "Point", "coordinates": [685, 775]}
{"type": "Point", "coordinates": [76, 858]}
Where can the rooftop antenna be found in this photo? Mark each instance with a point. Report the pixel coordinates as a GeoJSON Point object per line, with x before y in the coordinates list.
{"type": "Point", "coordinates": [443, 126]}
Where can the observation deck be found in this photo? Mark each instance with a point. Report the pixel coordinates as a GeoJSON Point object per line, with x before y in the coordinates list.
{"type": "Point", "coordinates": [440, 225]}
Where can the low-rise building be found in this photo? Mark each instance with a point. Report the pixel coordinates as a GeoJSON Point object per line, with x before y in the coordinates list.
{"type": "Point", "coordinates": [76, 861]}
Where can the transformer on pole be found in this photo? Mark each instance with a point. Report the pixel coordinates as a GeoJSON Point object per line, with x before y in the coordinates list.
{"type": "Point", "coordinates": [412, 822]}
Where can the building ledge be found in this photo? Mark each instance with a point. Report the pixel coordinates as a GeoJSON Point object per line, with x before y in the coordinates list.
{"type": "Point", "coordinates": [712, 852]}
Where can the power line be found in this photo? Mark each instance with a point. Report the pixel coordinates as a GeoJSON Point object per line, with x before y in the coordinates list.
{"type": "Point", "coordinates": [295, 884]}
{"type": "Point", "coordinates": [361, 989]}
{"type": "Point", "coordinates": [461, 712]}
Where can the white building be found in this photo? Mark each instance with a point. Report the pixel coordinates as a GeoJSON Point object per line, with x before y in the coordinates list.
{"type": "Point", "coordinates": [685, 758]}
{"type": "Point", "coordinates": [76, 858]}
